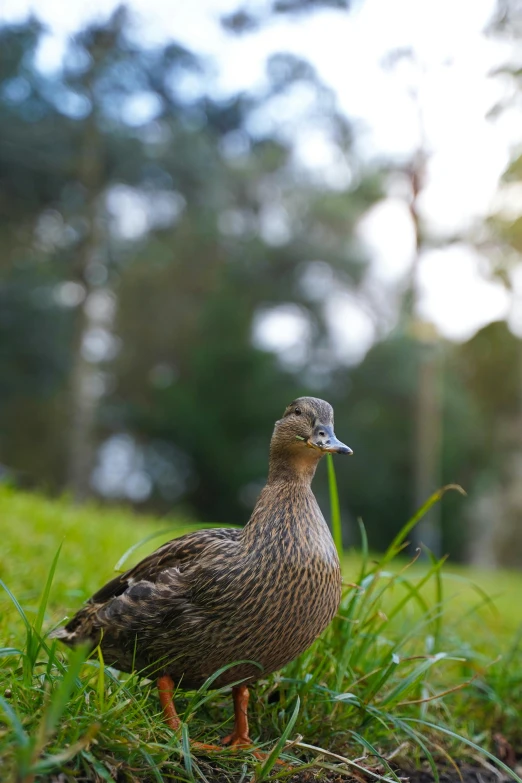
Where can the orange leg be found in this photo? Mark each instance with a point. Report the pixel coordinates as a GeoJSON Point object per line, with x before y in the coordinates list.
{"type": "Point", "coordinates": [166, 695]}
{"type": "Point", "coordinates": [239, 737]}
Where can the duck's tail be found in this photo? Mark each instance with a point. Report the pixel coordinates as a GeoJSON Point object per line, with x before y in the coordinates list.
{"type": "Point", "coordinates": [79, 630]}
{"type": "Point", "coordinates": [69, 638]}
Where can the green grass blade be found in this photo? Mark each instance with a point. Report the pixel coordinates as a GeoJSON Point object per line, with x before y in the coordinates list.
{"type": "Point", "coordinates": [439, 594]}
{"type": "Point", "coordinates": [199, 696]}
{"type": "Point", "coordinates": [199, 772]}
{"type": "Point", "coordinates": [459, 738]}
{"type": "Point", "coordinates": [17, 606]}
{"type": "Point", "coordinates": [405, 684]}
{"type": "Point", "coordinates": [364, 550]}
{"type": "Point", "coordinates": [34, 641]}
{"type": "Point", "coordinates": [346, 762]}
{"type": "Point", "coordinates": [263, 771]}
{"type": "Point", "coordinates": [24, 745]}
{"type": "Point", "coordinates": [7, 652]}
{"type": "Point", "coordinates": [419, 740]}
{"type": "Point", "coordinates": [185, 750]}
{"type": "Point", "coordinates": [487, 599]}
{"type": "Point", "coordinates": [100, 683]}
{"type": "Point", "coordinates": [335, 510]}
{"type": "Point", "coordinates": [45, 594]}
{"type": "Point", "coordinates": [399, 539]}
{"type": "Point", "coordinates": [50, 762]}
{"type": "Point", "coordinates": [375, 752]}
{"type": "Point", "coordinates": [100, 769]}
{"type": "Point", "coordinates": [61, 695]}
{"type": "Point", "coordinates": [14, 720]}
{"type": "Point", "coordinates": [125, 556]}
{"type": "Point", "coordinates": [152, 766]}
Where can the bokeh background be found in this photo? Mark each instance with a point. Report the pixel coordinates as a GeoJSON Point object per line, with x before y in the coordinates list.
{"type": "Point", "coordinates": [209, 208]}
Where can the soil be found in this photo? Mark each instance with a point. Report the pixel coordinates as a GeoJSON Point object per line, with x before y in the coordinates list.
{"type": "Point", "coordinates": [460, 773]}
{"type": "Point", "coordinates": [468, 774]}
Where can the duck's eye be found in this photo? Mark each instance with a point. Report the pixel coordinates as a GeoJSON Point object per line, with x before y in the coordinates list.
{"type": "Point", "coordinates": [297, 411]}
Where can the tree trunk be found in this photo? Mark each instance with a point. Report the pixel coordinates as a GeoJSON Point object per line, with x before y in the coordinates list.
{"type": "Point", "coordinates": [427, 447]}
{"type": "Point", "coordinates": [428, 419]}
{"type": "Point", "coordinates": [84, 377]}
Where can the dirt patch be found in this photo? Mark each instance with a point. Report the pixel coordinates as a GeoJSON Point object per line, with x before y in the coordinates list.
{"type": "Point", "coordinates": [468, 774]}
{"type": "Point", "coordinates": [462, 773]}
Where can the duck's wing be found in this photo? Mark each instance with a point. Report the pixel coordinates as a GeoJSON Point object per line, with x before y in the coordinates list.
{"type": "Point", "coordinates": [178, 553]}
{"type": "Point", "coordinates": [130, 596]}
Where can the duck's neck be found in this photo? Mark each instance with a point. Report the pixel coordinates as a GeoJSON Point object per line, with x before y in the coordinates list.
{"type": "Point", "coordinates": [286, 508]}
{"type": "Point", "coordinates": [297, 467]}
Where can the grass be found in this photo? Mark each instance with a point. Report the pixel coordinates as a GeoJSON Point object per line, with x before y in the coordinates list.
{"type": "Point", "coordinates": [419, 666]}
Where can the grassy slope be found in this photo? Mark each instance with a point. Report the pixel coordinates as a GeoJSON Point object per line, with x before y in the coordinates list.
{"type": "Point", "coordinates": [393, 645]}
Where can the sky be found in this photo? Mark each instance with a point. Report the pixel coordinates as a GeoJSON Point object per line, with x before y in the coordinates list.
{"type": "Point", "coordinates": [442, 101]}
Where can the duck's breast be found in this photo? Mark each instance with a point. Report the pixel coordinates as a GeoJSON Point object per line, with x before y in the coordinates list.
{"type": "Point", "coordinates": [294, 590]}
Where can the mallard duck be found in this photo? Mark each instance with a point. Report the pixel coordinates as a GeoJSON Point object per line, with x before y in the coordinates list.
{"type": "Point", "coordinates": [215, 597]}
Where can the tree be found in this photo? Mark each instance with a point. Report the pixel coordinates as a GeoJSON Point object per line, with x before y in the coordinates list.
{"type": "Point", "coordinates": [497, 353]}
{"type": "Point", "coordinates": [226, 226]}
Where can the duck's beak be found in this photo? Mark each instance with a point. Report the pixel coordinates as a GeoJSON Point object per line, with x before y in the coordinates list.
{"type": "Point", "coordinates": [324, 439]}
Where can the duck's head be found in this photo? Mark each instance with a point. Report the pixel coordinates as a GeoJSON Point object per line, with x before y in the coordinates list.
{"type": "Point", "coordinates": [305, 434]}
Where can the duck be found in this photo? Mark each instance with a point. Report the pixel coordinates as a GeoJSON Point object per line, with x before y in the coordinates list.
{"type": "Point", "coordinates": [241, 602]}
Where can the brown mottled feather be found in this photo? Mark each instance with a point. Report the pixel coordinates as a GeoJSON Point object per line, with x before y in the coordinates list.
{"type": "Point", "coordinates": [214, 597]}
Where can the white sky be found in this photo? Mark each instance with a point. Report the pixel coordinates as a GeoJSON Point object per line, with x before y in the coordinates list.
{"type": "Point", "coordinates": [467, 152]}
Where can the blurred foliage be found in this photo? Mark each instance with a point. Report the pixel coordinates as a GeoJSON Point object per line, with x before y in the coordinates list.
{"type": "Point", "coordinates": [226, 223]}
{"type": "Point", "coordinates": [146, 229]}
{"type": "Point", "coordinates": [247, 19]}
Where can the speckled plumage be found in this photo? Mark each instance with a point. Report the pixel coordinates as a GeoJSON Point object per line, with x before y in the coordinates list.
{"type": "Point", "coordinates": [213, 597]}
